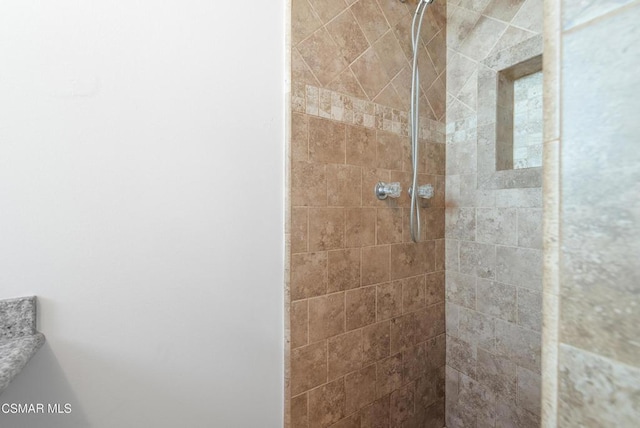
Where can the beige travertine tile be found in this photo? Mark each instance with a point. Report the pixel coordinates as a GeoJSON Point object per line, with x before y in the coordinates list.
{"type": "Point", "coordinates": [435, 414]}
{"type": "Point", "coordinates": [430, 389]}
{"type": "Point", "coordinates": [308, 367]}
{"type": "Point", "coordinates": [345, 354]}
{"type": "Point", "coordinates": [347, 34]}
{"type": "Point", "coordinates": [529, 16]}
{"type": "Point", "coordinates": [503, 10]}
{"type": "Point", "coordinates": [360, 388]}
{"type": "Point", "coordinates": [343, 270]}
{"type": "Point", "coordinates": [326, 316]}
{"type": "Point", "coordinates": [352, 421]}
{"type": "Point", "coordinates": [440, 255]}
{"type": "Point", "coordinates": [324, 147]}
{"type": "Point", "coordinates": [308, 184]}
{"type": "Point", "coordinates": [402, 84]}
{"type": "Point", "coordinates": [452, 255]}
{"type": "Point", "coordinates": [389, 153]}
{"type": "Point", "coordinates": [459, 70]}
{"type": "Point", "coordinates": [347, 83]}
{"type": "Point", "coordinates": [459, 25]}
{"type": "Point", "coordinates": [461, 289]}
{"type": "Point", "coordinates": [452, 384]}
{"type": "Point", "coordinates": [435, 158]}
{"type": "Point", "coordinates": [610, 331]}
{"type": "Point", "coordinates": [369, 70]}
{"type": "Point", "coordinates": [511, 36]}
{"type": "Point", "coordinates": [375, 264]}
{"type": "Point", "coordinates": [322, 55]}
{"type": "Point", "coordinates": [403, 331]}
{"type": "Point", "coordinates": [327, 404]}
{"type": "Point", "coordinates": [301, 75]}
{"type": "Point", "coordinates": [402, 404]}
{"type": "Point", "coordinates": [299, 137]}
{"type": "Point", "coordinates": [389, 225]}
{"type": "Point", "coordinates": [530, 228]}
{"type": "Point", "coordinates": [299, 323]}
{"type": "Point", "coordinates": [389, 300]}
{"type": "Point", "coordinates": [497, 226]}
{"type": "Point", "coordinates": [416, 368]}
{"type": "Point", "coordinates": [344, 185]}
{"type": "Point", "coordinates": [519, 198]}
{"type": "Point", "coordinates": [551, 74]}
{"type": "Point", "coordinates": [394, 11]}
{"type": "Point", "coordinates": [312, 100]}
{"type": "Point", "coordinates": [326, 141]}
{"type": "Point", "coordinates": [371, 20]}
{"type": "Point", "coordinates": [428, 71]}
{"type": "Point", "coordinates": [299, 411]}
{"type": "Point", "coordinates": [360, 227]}
{"type": "Point", "coordinates": [360, 307]}
{"type": "Point", "coordinates": [530, 309]}
{"type": "Point", "coordinates": [413, 293]}
{"type": "Point", "coordinates": [308, 275]}
{"type": "Point", "coordinates": [519, 266]}
{"type": "Point", "coordinates": [437, 95]}
{"type": "Point", "coordinates": [460, 223]}
{"type": "Point", "coordinates": [388, 375]}
{"type": "Point", "coordinates": [529, 390]}
{"type": "Point", "coordinates": [479, 260]}
{"type": "Point", "coordinates": [433, 227]}
{"type": "Point", "coordinates": [437, 13]}
{"type": "Point", "coordinates": [475, 5]}
{"type": "Point", "coordinates": [299, 230]}
{"type": "Point", "coordinates": [376, 343]}
{"type": "Point", "coordinates": [390, 53]}
{"type": "Point", "coordinates": [599, 204]}
{"type": "Point", "coordinates": [574, 14]}
{"type": "Point", "coordinates": [596, 391]}
{"type": "Point", "coordinates": [462, 356]}
{"type": "Point", "coordinates": [361, 146]}
{"type": "Point", "coordinates": [431, 321]}
{"type": "Point", "coordinates": [437, 50]}
{"type": "Point", "coordinates": [497, 300]}
{"type": "Point", "coordinates": [522, 346]}
{"type": "Point", "coordinates": [412, 259]}
{"type": "Point", "coordinates": [377, 414]}
{"type": "Point", "coordinates": [389, 97]}
{"type": "Point", "coordinates": [510, 415]}
{"type": "Point", "coordinates": [497, 373]}
{"type": "Point", "coordinates": [476, 328]}
{"type": "Point", "coordinates": [326, 228]}
{"type": "Point", "coordinates": [435, 288]}
{"type": "Point", "coordinates": [304, 20]}
{"type": "Point", "coordinates": [435, 351]}
{"type": "Point", "coordinates": [327, 9]}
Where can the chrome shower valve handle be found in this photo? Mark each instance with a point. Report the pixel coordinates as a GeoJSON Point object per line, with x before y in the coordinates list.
{"type": "Point", "coordinates": [425, 191]}
{"type": "Point", "coordinates": [391, 190]}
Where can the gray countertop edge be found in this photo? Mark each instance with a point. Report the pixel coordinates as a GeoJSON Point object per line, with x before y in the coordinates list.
{"type": "Point", "coordinates": [15, 353]}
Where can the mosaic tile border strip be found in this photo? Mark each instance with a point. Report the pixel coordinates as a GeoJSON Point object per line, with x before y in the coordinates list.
{"type": "Point", "coordinates": [333, 105]}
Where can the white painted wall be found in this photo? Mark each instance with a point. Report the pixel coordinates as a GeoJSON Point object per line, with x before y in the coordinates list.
{"type": "Point", "coordinates": [131, 132]}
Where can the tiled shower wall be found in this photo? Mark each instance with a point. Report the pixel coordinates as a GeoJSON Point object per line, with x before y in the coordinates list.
{"type": "Point", "coordinates": [494, 240]}
{"type": "Point", "coordinates": [592, 215]}
{"type": "Point", "coordinates": [366, 319]}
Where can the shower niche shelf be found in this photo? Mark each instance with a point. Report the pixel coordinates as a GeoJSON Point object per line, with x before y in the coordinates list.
{"type": "Point", "coordinates": [496, 77]}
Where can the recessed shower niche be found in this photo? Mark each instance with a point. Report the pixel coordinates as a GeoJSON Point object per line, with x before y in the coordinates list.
{"type": "Point", "coordinates": [510, 117]}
